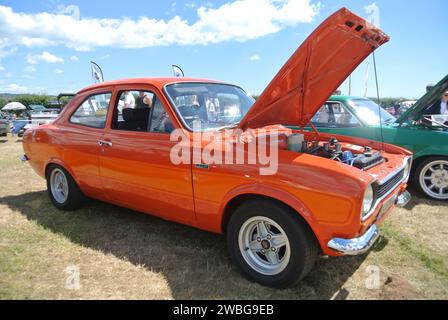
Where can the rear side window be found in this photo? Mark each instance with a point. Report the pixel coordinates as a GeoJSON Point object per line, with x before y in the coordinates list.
{"type": "Point", "coordinates": [334, 115]}
{"type": "Point", "coordinates": [93, 111]}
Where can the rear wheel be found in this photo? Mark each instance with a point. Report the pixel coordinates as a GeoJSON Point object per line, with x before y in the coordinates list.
{"type": "Point", "coordinates": [62, 189]}
{"type": "Point", "coordinates": [431, 178]}
{"type": "Point", "coordinates": [270, 244]}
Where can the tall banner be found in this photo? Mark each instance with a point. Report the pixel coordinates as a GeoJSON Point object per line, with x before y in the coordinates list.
{"type": "Point", "coordinates": [178, 72]}
{"type": "Point", "coordinates": [97, 73]}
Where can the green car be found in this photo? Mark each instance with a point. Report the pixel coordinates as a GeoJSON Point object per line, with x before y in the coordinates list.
{"type": "Point", "coordinates": [359, 117]}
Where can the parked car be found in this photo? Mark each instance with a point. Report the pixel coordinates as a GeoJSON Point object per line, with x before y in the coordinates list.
{"type": "Point", "coordinates": [327, 196]}
{"type": "Point", "coordinates": [404, 106]}
{"type": "Point", "coordinates": [4, 125]}
{"type": "Point", "coordinates": [359, 117]}
{"type": "Point", "coordinates": [37, 108]}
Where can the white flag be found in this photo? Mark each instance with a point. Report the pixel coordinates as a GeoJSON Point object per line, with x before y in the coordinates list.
{"type": "Point", "coordinates": [97, 73]}
{"type": "Point", "coordinates": [178, 73]}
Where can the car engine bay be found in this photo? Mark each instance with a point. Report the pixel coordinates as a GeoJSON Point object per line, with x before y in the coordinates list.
{"type": "Point", "coordinates": [332, 149]}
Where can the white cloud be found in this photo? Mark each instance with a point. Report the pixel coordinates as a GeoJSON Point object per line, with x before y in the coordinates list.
{"type": "Point", "coordinates": [13, 88]}
{"type": "Point", "coordinates": [44, 57]}
{"type": "Point", "coordinates": [2, 68]}
{"type": "Point", "coordinates": [255, 57]}
{"type": "Point", "coordinates": [58, 71]}
{"type": "Point", "coordinates": [6, 52]}
{"type": "Point", "coordinates": [29, 69]}
{"type": "Point", "coordinates": [239, 20]}
{"type": "Point", "coordinates": [74, 58]}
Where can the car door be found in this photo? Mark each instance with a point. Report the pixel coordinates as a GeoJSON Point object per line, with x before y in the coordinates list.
{"type": "Point", "coordinates": [80, 134]}
{"type": "Point", "coordinates": [135, 166]}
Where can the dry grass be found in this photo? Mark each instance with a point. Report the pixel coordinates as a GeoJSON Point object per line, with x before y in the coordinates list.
{"type": "Point", "coordinates": [122, 254]}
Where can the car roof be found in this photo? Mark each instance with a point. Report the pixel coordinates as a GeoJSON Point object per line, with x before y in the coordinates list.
{"type": "Point", "coordinates": [157, 82]}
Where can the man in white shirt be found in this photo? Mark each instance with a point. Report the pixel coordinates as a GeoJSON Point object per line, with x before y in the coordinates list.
{"type": "Point", "coordinates": [444, 104]}
{"type": "Point", "coordinates": [440, 107]}
{"type": "Point", "coordinates": [129, 100]}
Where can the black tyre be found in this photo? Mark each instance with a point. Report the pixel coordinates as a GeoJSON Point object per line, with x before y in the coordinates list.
{"type": "Point", "coordinates": [431, 178]}
{"type": "Point", "coordinates": [271, 244]}
{"type": "Point", "coordinates": [62, 189]}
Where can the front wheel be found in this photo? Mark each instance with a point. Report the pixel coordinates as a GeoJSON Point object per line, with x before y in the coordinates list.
{"type": "Point", "coordinates": [62, 189]}
{"type": "Point", "coordinates": [431, 178]}
{"type": "Point", "coordinates": [270, 244]}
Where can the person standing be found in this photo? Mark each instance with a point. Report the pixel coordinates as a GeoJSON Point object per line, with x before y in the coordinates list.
{"type": "Point", "coordinates": [143, 101]}
{"type": "Point", "coordinates": [440, 107]}
{"type": "Point", "coordinates": [129, 100]}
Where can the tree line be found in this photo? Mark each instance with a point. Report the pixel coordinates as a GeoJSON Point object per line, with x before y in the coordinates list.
{"type": "Point", "coordinates": [27, 99]}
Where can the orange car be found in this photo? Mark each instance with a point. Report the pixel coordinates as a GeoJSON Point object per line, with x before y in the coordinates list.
{"type": "Point", "coordinates": [191, 151]}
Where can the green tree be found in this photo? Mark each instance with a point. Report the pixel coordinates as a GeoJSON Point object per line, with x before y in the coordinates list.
{"type": "Point", "coordinates": [3, 102]}
{"type": "Point", "coordinates": [30, 99]}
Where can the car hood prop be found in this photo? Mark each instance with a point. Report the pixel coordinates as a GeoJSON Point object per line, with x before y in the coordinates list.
{"type": "Point", "coordinates": [315, 70]}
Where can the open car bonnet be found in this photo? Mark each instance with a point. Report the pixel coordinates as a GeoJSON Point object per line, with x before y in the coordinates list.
{"type": "Point", "coordinates": [317, 68]}
{"type": "Point", "coordinates": [431, 97]}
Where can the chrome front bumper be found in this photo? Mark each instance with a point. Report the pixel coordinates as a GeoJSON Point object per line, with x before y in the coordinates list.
{"type": "Point", "coordinates": [357, 246]}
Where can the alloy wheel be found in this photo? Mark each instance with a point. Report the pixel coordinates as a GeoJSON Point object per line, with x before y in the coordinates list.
{"type": "Point", "coordinates": [264, 245]}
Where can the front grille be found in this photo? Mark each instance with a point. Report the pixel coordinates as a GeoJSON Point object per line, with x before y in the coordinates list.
{"type": "Point", "coordinates": [387, 186]}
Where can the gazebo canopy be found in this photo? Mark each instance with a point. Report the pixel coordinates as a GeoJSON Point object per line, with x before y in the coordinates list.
{"type": "Point", "coordinates": [13, 106]}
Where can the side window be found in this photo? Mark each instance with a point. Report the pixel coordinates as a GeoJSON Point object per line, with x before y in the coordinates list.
{"type": "Point", "coordinates": [334, 115]}
{"type": "Point", "coordinates": [324, 117]}
{"type": "Point", "coordinates": [160, 121]}
{"type": "Point", "coordinates": [93, 111]}
{"type": "Point", "coordinates": [133, 110]}
{"type": "Point", "coordinates": [140, 111]}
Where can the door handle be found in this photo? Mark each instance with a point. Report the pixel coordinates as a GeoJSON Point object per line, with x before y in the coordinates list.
{"type": "Point", "coordinates": [103, 142]}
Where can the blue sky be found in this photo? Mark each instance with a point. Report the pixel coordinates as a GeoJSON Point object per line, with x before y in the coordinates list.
{"type": "Point", "coordinates": [46, 46]}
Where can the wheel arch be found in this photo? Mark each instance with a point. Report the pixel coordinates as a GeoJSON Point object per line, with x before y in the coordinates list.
{"type": "Point", "coordinates": [295, 206]}
{"type": "Point", "coordinates": [59, 162]}
{"type": "Point", "coordinates": [420, 158]}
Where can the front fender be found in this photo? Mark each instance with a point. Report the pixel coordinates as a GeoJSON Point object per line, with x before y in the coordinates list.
{"type": "Point", "coordinates": [264, 190]}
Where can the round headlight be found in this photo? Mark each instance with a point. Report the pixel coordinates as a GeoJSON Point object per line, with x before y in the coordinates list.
{"type": "Point", "coordinates": [367, 202]}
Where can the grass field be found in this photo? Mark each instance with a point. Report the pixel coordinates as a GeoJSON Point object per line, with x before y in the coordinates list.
{"type": "Point", "coordinates": [123, 254]}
